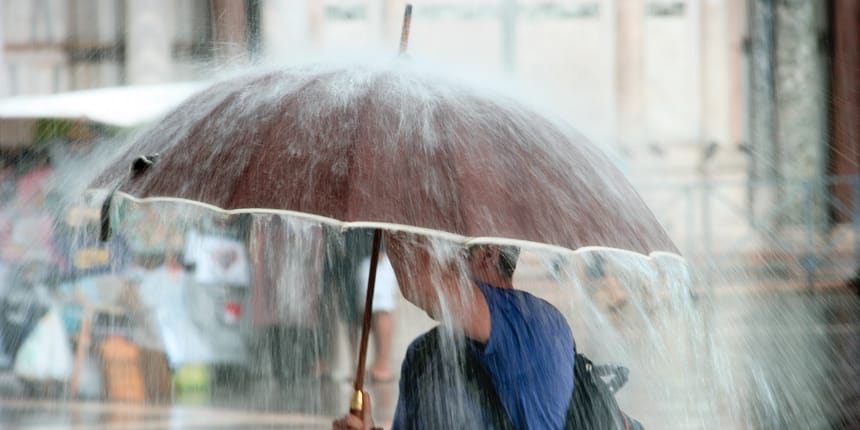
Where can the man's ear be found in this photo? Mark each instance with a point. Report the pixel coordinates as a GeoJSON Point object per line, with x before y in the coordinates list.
{"type": "Point", "coordinates": [494, 252]}
{"type": "Point", "coordinates": [489, 258]}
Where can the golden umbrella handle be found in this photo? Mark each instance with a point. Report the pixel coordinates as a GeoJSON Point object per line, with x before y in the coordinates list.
{"type": "Point", "coordinates": [356, 405]}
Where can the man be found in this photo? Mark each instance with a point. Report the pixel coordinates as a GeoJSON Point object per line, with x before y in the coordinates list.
{"type": "Point", "coordinates": [521, 342]}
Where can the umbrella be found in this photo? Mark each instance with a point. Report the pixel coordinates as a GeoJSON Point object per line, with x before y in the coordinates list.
{"type": "Point", "coordinates": [387, 145]}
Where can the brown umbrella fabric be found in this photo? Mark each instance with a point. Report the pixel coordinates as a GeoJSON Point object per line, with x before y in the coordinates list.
{"type": "Point", "coordinates": [390, 143]}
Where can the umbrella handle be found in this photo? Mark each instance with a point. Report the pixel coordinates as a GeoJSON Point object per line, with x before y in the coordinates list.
{"type": "Point", "coordinates": [356, 404]}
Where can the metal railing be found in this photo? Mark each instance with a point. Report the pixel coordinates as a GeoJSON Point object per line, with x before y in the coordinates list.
{"type": "Point", "coordinates": [796, 231]}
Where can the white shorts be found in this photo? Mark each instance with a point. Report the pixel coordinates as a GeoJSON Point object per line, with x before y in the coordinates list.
{"type": "Point", "coordinates": [385, 288]}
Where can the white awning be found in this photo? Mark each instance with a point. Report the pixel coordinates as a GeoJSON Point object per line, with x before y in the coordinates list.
{"type": "Point", "coordinates": [118, 106]}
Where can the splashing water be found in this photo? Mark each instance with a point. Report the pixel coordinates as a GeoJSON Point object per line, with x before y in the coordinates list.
{"type": "Point", "coordinates": [253, 309]}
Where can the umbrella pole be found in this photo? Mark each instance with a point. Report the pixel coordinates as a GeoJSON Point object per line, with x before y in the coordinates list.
{"type": "Point", "coordinates": [356, 406]}
{"type": "Point", "coordinates": [404, 32]}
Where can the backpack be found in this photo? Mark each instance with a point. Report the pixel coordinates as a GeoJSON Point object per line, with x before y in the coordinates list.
{"type": "Point", "coordinates": [592, 403]}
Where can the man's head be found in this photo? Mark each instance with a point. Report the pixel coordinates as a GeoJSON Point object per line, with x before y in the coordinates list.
{"type": "Point", "coordinates": [424, 274]}
{"type": "Point", "coordinates": [494, 264]}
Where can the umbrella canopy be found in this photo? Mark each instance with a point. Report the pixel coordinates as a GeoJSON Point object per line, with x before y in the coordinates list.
{"type": "Point", "coordinates": [393, 144]}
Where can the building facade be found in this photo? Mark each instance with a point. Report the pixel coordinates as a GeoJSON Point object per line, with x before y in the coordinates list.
{"type": "Point", "coordinates": [678, 91]}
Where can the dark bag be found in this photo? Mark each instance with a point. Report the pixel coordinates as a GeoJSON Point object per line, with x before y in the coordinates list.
{"type": "Point", "coordinates": [592, 404]}
{"type": "Point", "coordinates": [476, 381]}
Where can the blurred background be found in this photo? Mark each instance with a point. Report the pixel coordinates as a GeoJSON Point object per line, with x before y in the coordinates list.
{"type": "Point", "coordinates": [737, 120]}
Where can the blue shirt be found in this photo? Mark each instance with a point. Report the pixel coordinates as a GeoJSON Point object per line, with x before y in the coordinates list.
{"type": "Point", "coordinates": [529, 358]}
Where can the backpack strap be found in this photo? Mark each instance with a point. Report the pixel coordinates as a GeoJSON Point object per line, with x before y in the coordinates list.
{"type": "Point", "coordinates": [481, 389]}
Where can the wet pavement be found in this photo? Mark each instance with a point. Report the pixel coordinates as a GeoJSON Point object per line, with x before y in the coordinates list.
{"type": "Point", "coordinates": [45, 414]}
{"type": "Point", "coordinates": [798, 360]}
{"type": "Point", "coordinates": [253, 401]}
{"type": "Point", "coordinates": [261, 404]}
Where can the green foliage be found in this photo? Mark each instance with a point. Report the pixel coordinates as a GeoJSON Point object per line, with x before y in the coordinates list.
{"type": "Point", "coordinates": [52, 130]}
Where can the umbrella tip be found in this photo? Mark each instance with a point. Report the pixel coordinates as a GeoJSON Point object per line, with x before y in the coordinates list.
{"type": "Point", "coordinates": [404, 32]}
{"type": "Point", "coordinates": [104, 219]}
{"type": "Point", "coordinates": [141, 164]}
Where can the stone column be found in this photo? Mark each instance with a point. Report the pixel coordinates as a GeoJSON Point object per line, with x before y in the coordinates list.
{"type": "Point", "coordinates": [764, 166]}
{"type": "Point", "coordinates": [230, 31]}
{"type": "Point", "coordinates": [800, 107]}
{"type": "Point", "coordinates": [787, 115]}
{"type": "Point", "coordinates": [149, 39]}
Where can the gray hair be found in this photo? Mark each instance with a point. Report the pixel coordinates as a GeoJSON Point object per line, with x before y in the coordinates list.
{"type": "Point", "coordinates": [508, 260]}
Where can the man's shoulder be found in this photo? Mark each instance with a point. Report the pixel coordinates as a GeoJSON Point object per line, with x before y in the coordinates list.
{"type": "Point", "coordinates": [521, 299]}
{"type": "Point", "coordinates": [525, 310]}
{"type": "Point", "coordinates": [424, 343]}
{"type": "Point", "coordinates": [419, 355]}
